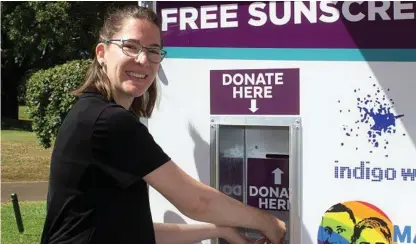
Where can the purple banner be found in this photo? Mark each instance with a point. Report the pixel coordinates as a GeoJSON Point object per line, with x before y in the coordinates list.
{"type": "Point", "coordinates": [287, 24]}
{"type": "Point", "coordinates": [231, 177]}
{"type": "Point", "coordinates": [268, 183]}
{"type": "Point", "coordinates": [255, 91]}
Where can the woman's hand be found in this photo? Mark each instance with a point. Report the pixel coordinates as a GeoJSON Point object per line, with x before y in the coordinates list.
{"type": "Point", "coordinates": [233, 236]}
{"type": "Point", "coordinates": [274, 232]}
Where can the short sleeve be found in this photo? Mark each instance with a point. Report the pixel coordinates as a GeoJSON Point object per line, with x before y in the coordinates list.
{"type": "Point", "coordinates": [124, 147]}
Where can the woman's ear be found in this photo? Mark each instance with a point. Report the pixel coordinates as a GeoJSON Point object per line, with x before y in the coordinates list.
{"type": "Point", "coordinates": [100, 51]}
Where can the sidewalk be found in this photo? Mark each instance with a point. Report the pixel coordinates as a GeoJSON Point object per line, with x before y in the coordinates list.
{"type": "Point", "coordinates": [26, 191]}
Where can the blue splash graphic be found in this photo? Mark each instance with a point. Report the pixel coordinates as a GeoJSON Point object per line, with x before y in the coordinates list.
{"type": "Point", "coordinates": [376, 118]}
{"type": "Point", "coordinates": [384, 121]}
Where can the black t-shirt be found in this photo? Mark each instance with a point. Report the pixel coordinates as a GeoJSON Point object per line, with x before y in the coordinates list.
{"type": "Point", "coordinates": [96, 191]}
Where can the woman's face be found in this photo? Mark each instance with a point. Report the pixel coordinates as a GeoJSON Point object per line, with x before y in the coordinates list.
{"type": "Point", "coordinates": [131, 75]}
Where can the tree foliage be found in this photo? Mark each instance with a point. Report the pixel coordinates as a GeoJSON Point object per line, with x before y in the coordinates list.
{"type": "Point", "coordinates": [49, 97]}
{"type": "Point", "coordinates": [40, 34]}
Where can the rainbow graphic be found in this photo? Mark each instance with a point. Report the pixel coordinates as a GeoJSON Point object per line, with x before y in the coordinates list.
{"type": "Point", "coordinates": [355, 222]}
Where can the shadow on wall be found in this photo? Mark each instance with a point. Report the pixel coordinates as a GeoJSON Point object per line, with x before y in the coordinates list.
{"type": "Point", "coordinates": [305, 235]}
{"type": "Point", "coordinates": [201, 155]}
{"type": "Point", "coordinates": [394, 82]}
{"type": "Point", "coordinates": [201, 147]}
{"type": "Point", "coordinates": [162, 76]}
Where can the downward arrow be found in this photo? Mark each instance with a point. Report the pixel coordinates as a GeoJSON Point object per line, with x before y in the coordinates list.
{"type": "Point", "coordinates": [253, 105]}
{"type": "Point", "coordinates": [277, 176]}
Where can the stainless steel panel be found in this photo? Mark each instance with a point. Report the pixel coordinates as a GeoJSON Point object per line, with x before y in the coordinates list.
{"type": "Point", "coordinates": [263, 140]}
{"type": "Point", "coordinates": [255, 120]}
{"type": "Point", "coordinates": [230, 169]}
{"type": "Point", "coordinates": [214, 155]}
{"type": "Point", "coordinates": [240, 137]}
{"type": "Point", "coordinates": [295, 185]}
{"type": "Point", "coordinates": [227, 158]}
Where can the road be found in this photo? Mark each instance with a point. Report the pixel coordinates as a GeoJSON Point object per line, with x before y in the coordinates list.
{"type": "Point", "coordinates": [26, 191]}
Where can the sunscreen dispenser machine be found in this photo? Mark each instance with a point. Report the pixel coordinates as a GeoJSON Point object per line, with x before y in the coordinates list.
{"type": "Point", "coordinates": [257, 160]}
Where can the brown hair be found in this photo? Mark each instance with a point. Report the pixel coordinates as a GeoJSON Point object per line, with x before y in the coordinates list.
{"type": "Point", "coordinates": [96, 78]}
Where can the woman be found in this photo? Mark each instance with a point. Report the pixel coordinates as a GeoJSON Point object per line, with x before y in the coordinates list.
{"type": "Point", "coordinates": [103, 157]}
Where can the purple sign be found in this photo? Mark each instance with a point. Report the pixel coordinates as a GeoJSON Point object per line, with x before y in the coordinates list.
{"type": "Point", "coordinates": [288, 24]}
{"type": "Point", "coordinates": [231, 177]}
{"type": "Point", "coordinates": [255, 91]}
{"type": "Point", "coordinates": [268, 183]}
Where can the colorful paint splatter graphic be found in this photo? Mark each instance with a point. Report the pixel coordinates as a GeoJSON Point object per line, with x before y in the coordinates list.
{"type": "Point", "coordinates": [355, 222]}
{"type": "Point", "coordinates": [376, 118]}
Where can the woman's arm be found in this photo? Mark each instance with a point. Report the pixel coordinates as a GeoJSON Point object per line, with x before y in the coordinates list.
{"type": "Point", "coordinates": [206, 204]}
{"type": "Point", "coordinates": [191, 233]}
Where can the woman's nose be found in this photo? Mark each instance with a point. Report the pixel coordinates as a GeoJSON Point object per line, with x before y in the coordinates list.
{"type": "Point", "coordinates": [142, 58]}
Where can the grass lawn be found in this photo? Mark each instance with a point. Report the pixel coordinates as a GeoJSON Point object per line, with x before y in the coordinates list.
{"type": "Point", "coordinates": [22, 158]}
{"type": "Point", "coordinates": [33, 215]}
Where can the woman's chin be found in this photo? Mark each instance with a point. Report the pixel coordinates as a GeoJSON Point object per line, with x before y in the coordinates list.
{"type": "Point", "coordinates": [134, 91]}
{"type": "Point", "coordinates": [137, 93]}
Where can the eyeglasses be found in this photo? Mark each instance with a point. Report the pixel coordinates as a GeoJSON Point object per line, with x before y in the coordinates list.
{"type": "Point", "coordinates": [132, 48]}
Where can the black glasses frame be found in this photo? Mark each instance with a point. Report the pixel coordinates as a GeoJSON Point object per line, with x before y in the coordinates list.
{"type": "Point", "coordinates": [162, 52]}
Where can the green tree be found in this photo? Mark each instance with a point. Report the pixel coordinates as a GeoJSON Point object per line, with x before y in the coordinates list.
{"type": "Point", "coordinates": [49, 97]}
{"type": "Point", "coordinates": [38, 35]}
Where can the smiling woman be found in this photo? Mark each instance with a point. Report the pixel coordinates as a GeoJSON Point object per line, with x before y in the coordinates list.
{"type": "Point", "coordinates": [104, 157]}
{"type": "Point", "coordinates": [128, 54]}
